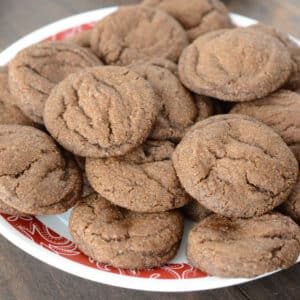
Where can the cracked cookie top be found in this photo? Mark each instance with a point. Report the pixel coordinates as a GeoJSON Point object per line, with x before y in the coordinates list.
{"type": "Point", "coordinates": [122, 238]}
{"type": "Point", "coordinates": [9, 112]}
{"type": "Point", "coordinates": [37, 69]}
{"type": "Point", "coordinates": [101, 111]}
{"type": "Point", "coordinates": [143, 181]}
{"type": "Point", "coordinates": [220, 246]}
{"type": "Point", "coordinates": [235, 65]}
{"type": "Point", "coordinates": [34, 176]}
{"type": "Point", "coordinates": [279, 110]}
{"type": "Point", "coordinates": [178, 110]}
{"type": "Point", "coordinates": [235, 166]}
{"type": "Point", "coordinates": [197, 17]}
{"type": "Point", "coordinates": [137, 32]}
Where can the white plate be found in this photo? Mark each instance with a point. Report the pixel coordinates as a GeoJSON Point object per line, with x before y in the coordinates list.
{"type": "Point", "coordinates": [48, 238]}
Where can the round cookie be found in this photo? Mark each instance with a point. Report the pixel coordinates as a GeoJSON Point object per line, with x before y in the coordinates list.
{"type": "Point", "coordinates": [279, 110]}
{"type": "Point", "coordinates": [197, 17]}
{"type": "Point", "coordinates": [125, 239]}
{"type": "Point", "coordinates": [291, 207]}
{"type": "Point", "coordinates": [294, 80]}
{"type": "Point", "coordinates": [195, 211]}
{"type": "Point", "coordinates": [6, 209]}
{"type": "Point", "coordinates": [9, 112]}
{"type": "Point", "coordinates": [101, 111]}
{"type": "Point", "coordinates": [37, 69]}
{"type": "Point", "coordinates": [34, 176]}
{"type": "Point", "coordinates": [235, 65]}
{"type": "Point", "coordinates": [137, 32]}
{"type": "Point", "coordinates": [82, 39]}
{"type": "Point", "coordinates": [178, 110]}
{"type": "Point", "coordinates": [235, 166]}
{"type": "Point", "coordinates": [243, 247]}
{"type": "Point", "coordinates": [142, 181]}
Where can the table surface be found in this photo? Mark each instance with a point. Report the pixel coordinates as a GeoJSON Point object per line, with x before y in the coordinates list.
{"type": "Point", "coordinates": [25, 278]}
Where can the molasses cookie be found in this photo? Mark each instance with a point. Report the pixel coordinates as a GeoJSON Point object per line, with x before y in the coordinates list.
{"type": "Point", "coordinates": [195, 211]}
{"type": "Point", "coordinates": [101, 111]}
{"type": "Point", "coordinates": [137, 32]}
{"type": "Point", "coordinates": [197, 17]}
{"type": "Point", "coordinates": [142, 181]}
{"type": "Point", "coordinates": [82, 39]}
{"type": "Point", "coordinates": [281, 111]}
{"type": "Point", "coordinates": [235, 166]}
{"type": "Point", "coordinates": [178, 110]}
{"type": "Point", "coordinates": [294, 80]}
{"type": "Point", "coordinates": [243, 247]}
{"type": "Point", "coordinates": [291, 207]}
{"type": "Point", "coordinates": [6, 209]}
{"type": "Point", "coordinates": [235, 65]}
{"type": "Point", "coordinates": [34, 176]}
{"type": "Point", "coordinates": [9, 112]}
{"type": "Point", "coordinates": [122, 238]}
{"type": "Point", "coordinates": [37, 69]}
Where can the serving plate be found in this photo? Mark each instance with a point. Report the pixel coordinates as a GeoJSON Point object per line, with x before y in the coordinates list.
{"type": "Point", "coordinates": [47, 237]}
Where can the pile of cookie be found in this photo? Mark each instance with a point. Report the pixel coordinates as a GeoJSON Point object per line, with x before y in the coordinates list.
{"type": "Point", "coordinates": [162, 110]}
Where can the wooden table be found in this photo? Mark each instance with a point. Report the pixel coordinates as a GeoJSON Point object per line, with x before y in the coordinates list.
{"type": "Point", "coordinates": [23, 277]}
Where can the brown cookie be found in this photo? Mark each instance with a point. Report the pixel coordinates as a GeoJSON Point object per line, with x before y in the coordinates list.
{"type": "Point", "coordinates": [142, 181]}
{"type": "Point", "coordinates": [6, 209]}
{"type": "Point", "coordinates": [235, 166]}
{"type": "Point", "coordinates": [243, 247]}
{"type": "Point", "coordinates": [294, 80]}
{"type": "Point", "coordinates": [279, 110]}
{"type": "Point", "coordinates": [235, 65]}
{"type": "Point", "coordinates": [161, 62]}
{"type": "Point", "coordinates": [82, 39]}
{"type": "Point", "coordinates": [291, 207]}
{"type": "Point", "coordinates": [101, 111]}
{"type": "Point", "coordinates": [195, 211]}
{"type": "Point", "coordinates": [34, 176]}
{"type": "Point", "coordinates": [125, 239]}
{"type": "Point", "coordinates": [37, 69]}
{"type": "Point", "coordinates": [9, 112]}
{"type": "Point", "coordinates": [137, 32]}
{"type": "Point", "coordinates": [197, 17]}
{"type": "Point", "coordinates": [206, 107]}
{"type": "Point", "coordinates": [178, 110]}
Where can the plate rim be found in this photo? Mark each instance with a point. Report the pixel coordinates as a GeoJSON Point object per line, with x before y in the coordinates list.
{"type": "Point", "coordinates": [75, 268]}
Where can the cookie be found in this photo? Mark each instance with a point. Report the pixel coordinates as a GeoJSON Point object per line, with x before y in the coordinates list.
{"type": "Point", "coordinates": [142, 181]}
{"type": "Point", "coordinates": [161, 62]}
{"type": "Point", "coordinates": [9, 112]}
{"type": "Point", "coordinates": [291, 207]}
{"type": "Point", "coordinates": [235, 65]}
{"type": "Point", "coordinates": [101, 111]}
{"type": "Point", "coordinates": [34, 176]}
{"type": "Point", "coordinates": [178, 110]}
{"type": "Point", "coordinates": [8, 210]}
{"type": "Point", "coordinates": [195, 211]}
{"type": "Point", "coordinates": [37, 69]}
{"type": "Point", "coordinates": [197, 17]}
{"type": "Point", "coordinates": [279, 110]}
{"type": "Point", "coordinates": [243, 247]}
{"type": "Point", "coordinates": [125, 239]}
{"type": "Point", "coordinates": [137, 32]}
{"type": "Point", "coordinates": [82, 39]}
{"type": "Point", "coordinates": [235, 166]}
{"type": "Point", "coordinates": [206, 107]}
{"type": "Point", "coordinates": [294, 80]}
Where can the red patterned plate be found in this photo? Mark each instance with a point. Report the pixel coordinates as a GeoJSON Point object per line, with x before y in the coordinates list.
{"type": "Point", "coordinates": [48, 239]}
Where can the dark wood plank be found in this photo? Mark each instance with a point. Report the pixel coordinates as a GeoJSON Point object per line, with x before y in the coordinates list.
{"type": "Point", "coordinates": [25, 278]}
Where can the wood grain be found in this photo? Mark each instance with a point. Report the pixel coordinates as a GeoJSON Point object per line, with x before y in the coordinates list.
{"type": "Point", "coordinates": [25, 278]}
